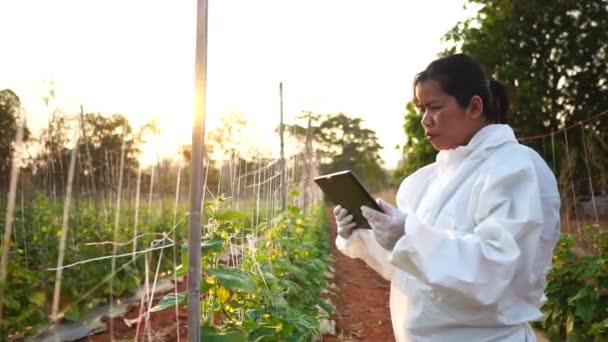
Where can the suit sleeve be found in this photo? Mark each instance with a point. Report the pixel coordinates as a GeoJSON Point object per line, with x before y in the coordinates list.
{"type": "Point", "coordinates": [363, 245]}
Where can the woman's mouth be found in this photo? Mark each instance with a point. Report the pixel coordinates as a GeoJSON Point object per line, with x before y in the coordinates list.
{"type": "Point", "coordinates": [431, 136]}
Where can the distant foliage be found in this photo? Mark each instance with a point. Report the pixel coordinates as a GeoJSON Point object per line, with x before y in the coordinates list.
{"type": "Point", "coordinates": [342, 143]}
{"type": "Point", "coordinates": [417, 151]}
{"type": "Point", "coordinates": [9, 121]}
{"type": "Point", "coordinates": [554, 55]}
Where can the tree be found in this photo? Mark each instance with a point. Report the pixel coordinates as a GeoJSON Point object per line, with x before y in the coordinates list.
{"type": "Point", "coordinates": [9, 116]}
{"type": "Point", "coordinates": [222, 154]}
{"type": "Point", "coordinates": [103, 145]}
{"type": "Point", "coordinates": [417, 151]}
{"type": "Point", "coordinates": [228, 137]}
{"type": "Point", "coordinates": [554, 53]}
{"type": "Point", "coordinates": [343, 144]}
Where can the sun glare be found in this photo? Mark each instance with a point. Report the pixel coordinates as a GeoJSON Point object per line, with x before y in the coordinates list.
{"type": "Point", "coordinates": [137, 58]}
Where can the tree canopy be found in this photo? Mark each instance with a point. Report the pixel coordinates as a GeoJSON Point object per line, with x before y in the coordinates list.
{"type": "Point", "coordinates": [417, 151]}
{"type": "Point", "coordinates": [9, 121]}
{"type": "Point", "coordinates": [342, 143]}
{"type": "Point", "coordinates": [553, 54]}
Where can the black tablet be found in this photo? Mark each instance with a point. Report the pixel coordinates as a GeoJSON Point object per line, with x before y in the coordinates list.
{"type": "Point", "coordinates": [344, 188]}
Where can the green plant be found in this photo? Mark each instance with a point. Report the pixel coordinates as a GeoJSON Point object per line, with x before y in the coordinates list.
{"type": "Point", "coordinates": [274, 293]}
{"type": "Point", "coordinates": [577, 289]}
{"type": "Point", "coordinates": [30, 282]}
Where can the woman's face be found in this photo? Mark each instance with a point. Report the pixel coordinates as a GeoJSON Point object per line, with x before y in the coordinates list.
{"type": "Point", "coordinates": [446, 124]}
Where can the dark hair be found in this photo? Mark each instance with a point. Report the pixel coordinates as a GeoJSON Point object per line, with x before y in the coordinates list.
{"type": "Point", "coordinates": [463, 77]}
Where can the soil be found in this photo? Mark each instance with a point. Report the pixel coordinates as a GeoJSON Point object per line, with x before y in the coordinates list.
{"type": "Point", "coordinates": [163, 324]}
{"type": "Point", "coordinates": [362, 302]}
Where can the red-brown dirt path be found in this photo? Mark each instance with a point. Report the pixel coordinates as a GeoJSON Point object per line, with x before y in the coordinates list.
{"type": "Point", "coordinates": [362, 311]}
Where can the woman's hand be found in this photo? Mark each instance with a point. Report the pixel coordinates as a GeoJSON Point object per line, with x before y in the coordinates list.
{"type": "Point", "coordinates": [344, 221]}
{"type": "Point", "coordinates": [388, 226]}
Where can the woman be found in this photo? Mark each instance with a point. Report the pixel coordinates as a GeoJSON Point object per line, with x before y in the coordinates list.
{"type": "Point", "coordinates": [468, 249]}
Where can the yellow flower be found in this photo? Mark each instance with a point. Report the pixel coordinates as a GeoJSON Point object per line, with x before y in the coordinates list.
{"type": "Point", "coordinates": [223, 294]}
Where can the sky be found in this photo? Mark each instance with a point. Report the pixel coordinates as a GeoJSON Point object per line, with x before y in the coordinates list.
{"type": "Point", "coordinates": [136, 57]}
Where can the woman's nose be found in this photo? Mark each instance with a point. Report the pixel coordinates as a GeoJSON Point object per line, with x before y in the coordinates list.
{"type": "Point", "coordinates": [427, 120]}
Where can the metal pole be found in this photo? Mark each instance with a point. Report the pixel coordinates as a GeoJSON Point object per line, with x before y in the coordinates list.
{"type": "Point", "coordinates": [196, 175]}
{"type": "Point", "coordinates": [282, 129]}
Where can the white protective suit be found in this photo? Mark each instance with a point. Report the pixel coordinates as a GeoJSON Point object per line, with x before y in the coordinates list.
{"type": "Point", "coordinates": [482, 222]}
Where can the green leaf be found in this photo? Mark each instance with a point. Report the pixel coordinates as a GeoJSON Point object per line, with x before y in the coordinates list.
{"type": "Point", "coordinates": [170, 300]}
{"type": "Point", "coordinates": [12, 304]}
{"type": "Point", "coordinates": [580, 294]}
{"type": "Point", "coordinates": [327, 307]}
{"type": "Point", "coordinates": [254, 315]}
{"type": "Point", "coordinates": [295, 210]}
{"type": "Point", "coordinates": [38, 298]}
{"type": "Point", "coordinates": [181, 270]}
{"type": "Point", "coordinates": [585, 311]}
{"type": "Point", "coordinates": [213, 334]}
{"type": "Point", "coordinates": [259, 334]}
{"type": "Point", "coordinates": [205, 286]}
{"type": "Point", "coordinates": [213, 245]}
{"type": "Point", "coordinates": [233, 278]}
{"type": "Point", "coordinates": [230, 215]}
{"type": "Point", "coordinates": [297, 336]}
{"type": "Point", "coordinates": [72, 313]}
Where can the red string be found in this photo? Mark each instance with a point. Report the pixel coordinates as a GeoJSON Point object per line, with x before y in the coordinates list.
{"type": "Point", "coordinates": [533, 137]}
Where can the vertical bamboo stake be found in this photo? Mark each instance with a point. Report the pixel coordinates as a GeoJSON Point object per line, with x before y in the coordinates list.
{"type": "Point", "coordinates": [219, 180]}
{"type": "Point", "coordinates": [150, 194]}
{"type": "Point", "coordinates": [570, 166]}
{"type": "Point", "coordinates": [307, 165]}
{"type": "Point", "coordinates": [179, 176]}
{"type": "Point", "coordinates": [8, 222]}
{"type": "Point", "coordinates": [198, 143]}
{"type": "Point", "coordinates": [64, 233]}
{"type": "Point", "coordinates": [106, 176]}
{"type": "Point", "coordinates": [136, 222]}
{"type": "Point", "coordinates": [117, 221]}
{"type": "Point", "coordinates": [25, 249]}
{"type": "Point", "coordinates": [597, 218]}
{"type": "Point", "coordinates": [282, 131]}
{"type": "Point", "coordinates": [175, 239]}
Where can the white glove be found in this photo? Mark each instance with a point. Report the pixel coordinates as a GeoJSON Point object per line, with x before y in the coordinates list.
{"type": "Point", "coordinates": [388, 226]}
{"type": "Point", "coordinates": [344, 221]}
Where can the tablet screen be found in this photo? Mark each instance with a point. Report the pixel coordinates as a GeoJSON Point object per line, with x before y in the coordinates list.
{"type": "Point", "coordinates": [344, 188]}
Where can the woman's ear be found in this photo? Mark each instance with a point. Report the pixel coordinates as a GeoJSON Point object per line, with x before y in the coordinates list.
{"type": "Point", "coordinates": [475, 109]}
